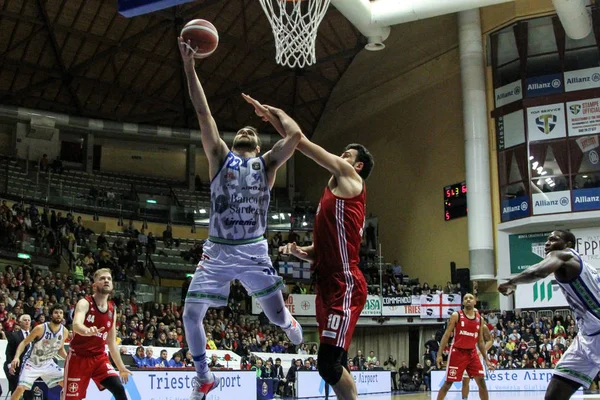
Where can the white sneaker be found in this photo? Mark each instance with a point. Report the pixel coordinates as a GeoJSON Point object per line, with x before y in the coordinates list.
{"type": "Point", "coordinates": [294, 332]}
{"type": "Point", "coordinates": [200, 388]}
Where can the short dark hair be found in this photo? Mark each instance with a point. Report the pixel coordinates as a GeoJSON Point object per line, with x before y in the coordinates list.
{"type": "Point", "coordinates": [56, 307]}
{"type": "Point", "coordinates": [363, 156]}
{"type": "Point", "coordinates": [568, 236]}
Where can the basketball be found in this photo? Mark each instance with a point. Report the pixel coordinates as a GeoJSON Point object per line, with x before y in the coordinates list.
{"type": "Point", "coordinates": [202, 35]}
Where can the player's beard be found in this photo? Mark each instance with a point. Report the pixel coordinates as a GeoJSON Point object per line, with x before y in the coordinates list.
{"type": "Point", "coordinates": [56, 321]}
{"type": "Point", "coordinates": [103, 290]}
{"type": "Point", "coordinates": [245, 143]}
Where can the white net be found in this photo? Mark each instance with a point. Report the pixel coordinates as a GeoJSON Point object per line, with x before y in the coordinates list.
{"type": "Point", "coordinates": [295, 24]}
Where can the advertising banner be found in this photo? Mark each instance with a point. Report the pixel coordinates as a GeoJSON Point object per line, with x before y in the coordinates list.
{"type": "Point", "coordinates": [551, 202]}
{"type": "Point", "coordinates": [543, 293]}
{"type": "Point", "coordinates": [583, 117]}
{"type": "Point", "coordinates": [515, 208]}
{"type": "Point", "coordinates": [508, 93]}
{"type": "Point", "coordinates": [310, 383]}
{"type": "Point", "coordinates": [582, 79]}
{"type": "Point", "coordinates": [546, 122]}
{"type": "Point", "coordinates": [526, 249]}
{"type": "Point", "coordinates": [513, 380]}
{"type": "Point", "coordinates": [543, 85]}
{"type": "Point", "coordinates": [304, 305]}
{"type": "Point", "coordinates": [586, 199]}
{"type": "Point", "coordinates": [174, 385]}
{"type": "Point", "coordinates": [510, 130]}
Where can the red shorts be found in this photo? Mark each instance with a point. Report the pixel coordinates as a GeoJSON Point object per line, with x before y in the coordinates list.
{"type": "Point", "coordinates": [340, 299]}
{"type": "Point", "coordinates": [460, 360]}
{"type": "Point", "coordinates": [79, 370]}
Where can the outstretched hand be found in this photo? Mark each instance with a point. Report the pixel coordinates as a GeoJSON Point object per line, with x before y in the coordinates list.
{"type": "Point", "coordinates": [186, 50]}
{"type": "Point", "coordinates": [293, 249]}
{"type": "Point", "coordinates": [259, 109]}
{"type": "Point", "coordinates": [507, 288]}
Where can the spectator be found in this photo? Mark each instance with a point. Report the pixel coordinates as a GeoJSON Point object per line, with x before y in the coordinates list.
{"type": "Point", "coordinates": [149, 360]}
{"type": "Point", "coordinates": [44, 163]}
{"type": "Point", "coordinates": [359, 360]}
{"type": "Point", "coordinates": [139, 357]}
{"type": "Point", "coordinates": [427, 374]}
{"type": "Point", "coordinates": [371, 358]}
{"type": "Point", "coordinates": [176, 361]}
{"type": "Point", "coordinates": [167, 237]}
{"type": "Point", "coordinates": [214, 362]}
{"type": "Point", "coordinates": [163, 360]}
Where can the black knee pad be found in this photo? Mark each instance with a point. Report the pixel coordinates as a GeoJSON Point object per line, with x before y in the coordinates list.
{"type": "Point", "coordinates": [330, 363]}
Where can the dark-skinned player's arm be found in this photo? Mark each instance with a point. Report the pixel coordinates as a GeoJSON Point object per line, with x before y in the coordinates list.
{"type": "Point", "coordinates": [111, 341]}
{"type": "Point", "coordinates": [214, 147]}
{"type": "Point", "coordinates": [549, 265]}
{"type": "Point", "coordinates": [481, 344]}
{"type": "Point", "coordinates": [444, 342]}
{"type": "Point", "coordinates": [36, 333]}
{"type": "Point", "coordinates": [487, 337]}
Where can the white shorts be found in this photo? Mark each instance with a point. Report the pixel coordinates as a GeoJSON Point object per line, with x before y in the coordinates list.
{"type": "Point", "coordinates": [581, 361]}
{"type": "Point", "coordinates": [49, 372]}
{"type": "Point", "coordinates": [222, 263]}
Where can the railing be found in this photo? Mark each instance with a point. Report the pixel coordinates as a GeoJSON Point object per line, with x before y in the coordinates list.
{"type": "Point", "coordinates": [152, 269]}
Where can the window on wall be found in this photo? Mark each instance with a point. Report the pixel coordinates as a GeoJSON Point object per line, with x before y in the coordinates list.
{"type": "Point", "coordinates": [549, 163]}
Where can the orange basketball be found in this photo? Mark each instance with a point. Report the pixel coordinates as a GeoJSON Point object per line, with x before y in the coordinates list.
{"type": "Point", "coordinates": [201, 34]}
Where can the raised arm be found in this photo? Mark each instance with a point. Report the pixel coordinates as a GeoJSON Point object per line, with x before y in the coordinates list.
{"type": "Point", "coordinates": [34, 334]}
{"type": "Point", "coordinates": [549, 265]}
{"type": "Point", "coordinates": [444, 342]}
{"type": "Point", "coordinates": [214, 147]}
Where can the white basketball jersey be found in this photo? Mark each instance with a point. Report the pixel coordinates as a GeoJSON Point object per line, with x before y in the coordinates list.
{"type": "Point", "coordinates": [583, 295]}
{"type": "Point", "coordinates": [240, 197]}
{"type": "Point", "coordinates": [46, 347]}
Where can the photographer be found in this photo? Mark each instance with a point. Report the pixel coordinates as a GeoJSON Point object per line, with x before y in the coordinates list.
{"type": "Point", "coordinates": [390, 365]}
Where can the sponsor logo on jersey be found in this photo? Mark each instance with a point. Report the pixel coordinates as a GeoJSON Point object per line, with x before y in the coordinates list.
{"type": "Point", "coordinates": [256, 166]}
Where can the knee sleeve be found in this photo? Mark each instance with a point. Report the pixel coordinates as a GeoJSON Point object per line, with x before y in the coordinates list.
{"type": "Point", "coordinates": [113, 384]}
{"type": "Point", "coordinates": [330, 363]}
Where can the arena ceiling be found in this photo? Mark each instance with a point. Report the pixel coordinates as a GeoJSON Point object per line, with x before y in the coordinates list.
{"type": "Point", "coordinates": [81, 57]}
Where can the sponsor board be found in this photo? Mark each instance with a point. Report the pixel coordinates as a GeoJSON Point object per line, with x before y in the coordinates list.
{"type": "Point", "coordinates": [543, 85]}
{"type": "Point", "coordinates": [582, 79]}
{"type": "Point", "coordinates": [177, 385]}
{"type": "Point", "coordinates": [526, 249]}
{"type": "Point", "coordinates": [543, 293]}
{"type": "Point", "coordinates": [513, 380]}
{"type": "Point", "coordinates": [510, 130]}
{"type": "Point", "coordinates": [583, 117]}
{"type": "Point", "coordinates": [546, 122]}
{"type": "Point", "coordinates": [588, 245]}
{"type": "Point", "coordinates": [508, 93]}
{"type": "Point", "coordinates": [515, 208]}
{"type": "Point", "coordinates": [586, 199]}
{"type": "Point", "coordinates": [310, 383]}
{"type": "Point", "coordinates": [551, 202]}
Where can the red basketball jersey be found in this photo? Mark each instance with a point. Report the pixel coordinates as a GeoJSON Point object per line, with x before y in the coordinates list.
{"type": "Point", "coordinates": [466, 331]}
{"type": "Point", "coordinates": [338, 231]}
{"type": "Point", "coordinates": [94, 345]}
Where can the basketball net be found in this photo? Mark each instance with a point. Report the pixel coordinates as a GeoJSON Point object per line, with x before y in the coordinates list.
{"type": "Point", "coordinates": [295, 24]}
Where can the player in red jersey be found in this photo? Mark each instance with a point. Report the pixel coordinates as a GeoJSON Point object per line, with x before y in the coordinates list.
{"type": "Point", "coordinates": [341, 287]}
{"type": "Point", "coordinates": [94, 327]}
{"type": "Point", "coordinates": [468, 328]}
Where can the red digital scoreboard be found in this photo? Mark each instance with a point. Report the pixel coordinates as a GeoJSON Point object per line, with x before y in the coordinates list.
{"type": "Point", "coordinates": [455, 201]}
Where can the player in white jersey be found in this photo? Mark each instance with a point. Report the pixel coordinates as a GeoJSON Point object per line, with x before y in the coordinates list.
{"type": "Point", "coordinates": [487, 338]}
{"type": "Point", "coordinates": [241, 181]}
{"type": "Point", "coordinates": [48, 342]}
{"type": "Point", "coordinates": [580, 284]}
